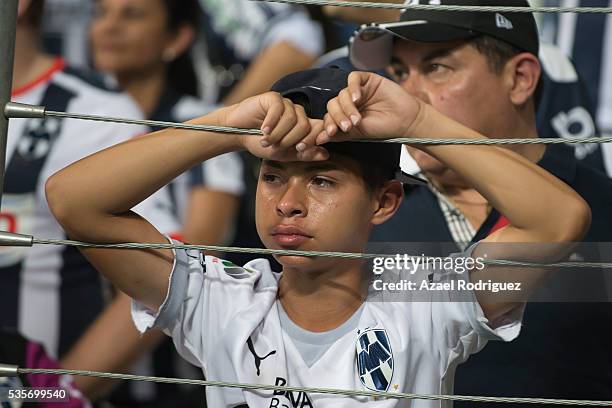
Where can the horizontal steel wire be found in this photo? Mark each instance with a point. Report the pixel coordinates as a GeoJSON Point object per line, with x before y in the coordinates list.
{"type": "Point", "coordinates": [333, 391]}
{"type": "Point", "coordinates": [411, 141]}
{"type": "Point", "coordinates": [432, 7]}
{"type": "Point", "coordinates": [280, 252]}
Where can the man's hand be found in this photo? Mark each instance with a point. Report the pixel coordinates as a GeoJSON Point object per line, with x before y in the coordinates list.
{"type": "Point", "coordinates": [371, 107]}
{"type": "Point", "coordinates": [288, 134]}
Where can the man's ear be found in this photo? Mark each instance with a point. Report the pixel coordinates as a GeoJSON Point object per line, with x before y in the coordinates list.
{"type": "Point", "coordinates": [524, 70]}
{"type": "Point", "coordinates": [388, 200]}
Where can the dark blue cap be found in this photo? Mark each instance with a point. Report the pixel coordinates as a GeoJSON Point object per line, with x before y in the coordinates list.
{"type": "Point", "coordinates": [313, 89]}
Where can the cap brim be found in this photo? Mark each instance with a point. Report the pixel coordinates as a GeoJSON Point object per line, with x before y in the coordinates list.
{"type": "Point", "coordinates": [371, 47]}
{"type": "Point", "coordinates": [409, 179]}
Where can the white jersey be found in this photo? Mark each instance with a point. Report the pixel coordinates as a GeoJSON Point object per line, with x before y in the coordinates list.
{"type": "Point", "coordinates": [227, 320]}
{"type": "Point", "coordinates": [51, 293]}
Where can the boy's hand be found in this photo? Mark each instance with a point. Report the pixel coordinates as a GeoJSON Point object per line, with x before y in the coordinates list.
{"type": "Point", "coordinates": [288, 134]}
{"type": "Point", "coordinates": [371, 107]}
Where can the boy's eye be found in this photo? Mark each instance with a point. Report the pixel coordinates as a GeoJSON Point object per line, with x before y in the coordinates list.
{"type": "Point", "coordinates": [435, 68]}
{"type": "Point", "coordinates": [322, 182]}
{"type": "Point", "coordinates": [270, 178]}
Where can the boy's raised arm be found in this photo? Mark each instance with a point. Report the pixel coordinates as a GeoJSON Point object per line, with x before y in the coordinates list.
{"type": "Point", "coordinates": [92, 198]}
{"type": "Point", "coordinates": [541, 209]}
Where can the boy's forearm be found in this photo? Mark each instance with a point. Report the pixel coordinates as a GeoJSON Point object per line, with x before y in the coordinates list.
{"type": "Point", "coordinates": [92, 199]}
{"type": "Point", "coordinates": [531, 198]}
{"type": "Point", "coordinates": [113, 181]}
{"type": "Point", "coordinates": [541, 209]}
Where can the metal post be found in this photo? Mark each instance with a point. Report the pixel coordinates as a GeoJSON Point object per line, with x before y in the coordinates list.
{"type": "Point", "coordinates": [8, 25]}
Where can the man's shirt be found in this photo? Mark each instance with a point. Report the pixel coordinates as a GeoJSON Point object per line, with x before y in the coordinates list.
{"type": "Point", "coordinates": [459, 226]}
{"type": "Point", "coordinates": [227, 320]}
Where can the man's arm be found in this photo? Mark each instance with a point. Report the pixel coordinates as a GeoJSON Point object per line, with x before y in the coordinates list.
{"type": "Point", "coordinates": [541, 209]}
{"type": "Point", "coordinates": [92, 198]}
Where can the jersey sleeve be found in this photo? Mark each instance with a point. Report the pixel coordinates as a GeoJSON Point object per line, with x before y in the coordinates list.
{"type": "Point", "coordinates": [203, 295]}
{"type": "Point", "coordinates": [460, 327]}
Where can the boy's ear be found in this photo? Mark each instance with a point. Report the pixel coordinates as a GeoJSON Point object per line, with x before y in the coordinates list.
{"type": "Point", "coordinates": [387, 201]}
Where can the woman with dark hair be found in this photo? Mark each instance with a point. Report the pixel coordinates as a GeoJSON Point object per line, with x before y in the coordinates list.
{"type": "Point", "coordinates": [145, 45]}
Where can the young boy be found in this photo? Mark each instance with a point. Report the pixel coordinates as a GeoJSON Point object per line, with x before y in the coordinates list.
{"type": "Point", "coordinates": [311, 325]}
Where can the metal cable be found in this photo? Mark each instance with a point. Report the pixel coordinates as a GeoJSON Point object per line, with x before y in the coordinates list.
{"type": "Point", "coordinates": [411, 141]}
{"type": "Point", "coordinates": [333, 391]}
{"type": "Point", "coordinates": [262, 251]}
{"type": "Point", "coordinates": [153, 123]}
{"type": "Point", "coordinates": [489, 142]}
{"type": "Point", "coordinates": [20, 110]}
{"type": "Point", "coordinates": [499, 9]}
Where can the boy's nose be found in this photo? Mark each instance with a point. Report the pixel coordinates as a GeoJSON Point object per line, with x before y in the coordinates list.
{"type": "Point", "coordinates": [292, 202]}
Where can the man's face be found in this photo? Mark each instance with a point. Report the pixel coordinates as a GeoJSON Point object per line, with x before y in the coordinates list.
{"type": "Point", "coordinates": [455, 79]}
{"type": "Point", "coordinates": [322, 206]}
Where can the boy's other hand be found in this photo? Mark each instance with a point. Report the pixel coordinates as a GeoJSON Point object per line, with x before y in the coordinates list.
{"type": "Point", "coordinates": [371, 107]}
{"type": "Point", "coordinates": [288, 134]}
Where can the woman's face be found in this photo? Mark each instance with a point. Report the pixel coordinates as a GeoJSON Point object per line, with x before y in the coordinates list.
{"type": "Point", "coordinates": [130, 36]}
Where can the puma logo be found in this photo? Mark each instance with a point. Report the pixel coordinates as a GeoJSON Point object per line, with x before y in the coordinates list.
{"type": "Point", "coordinates": [258, 359]}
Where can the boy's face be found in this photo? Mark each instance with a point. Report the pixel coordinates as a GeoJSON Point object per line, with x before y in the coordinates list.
{"type": "Point", "coordinates": [317, 206]}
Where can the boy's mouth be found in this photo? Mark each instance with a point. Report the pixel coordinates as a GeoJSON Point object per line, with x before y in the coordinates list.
{"type": "Point", "coordinates": [289, 235]}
